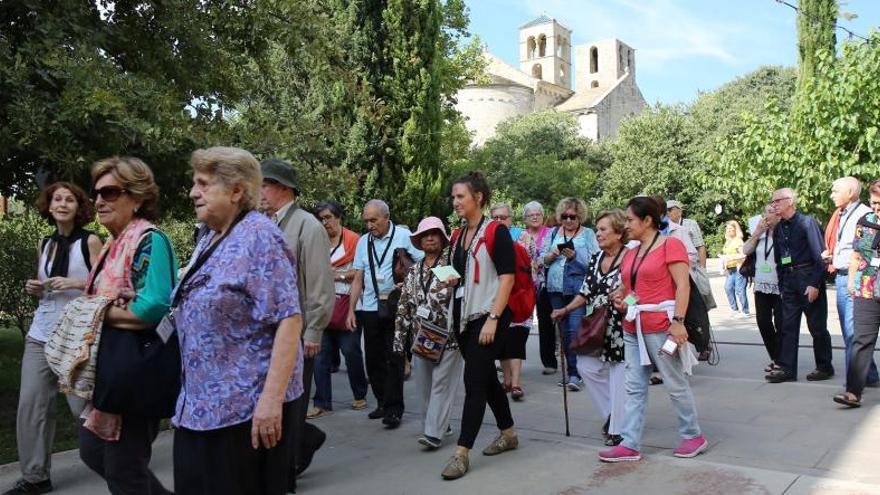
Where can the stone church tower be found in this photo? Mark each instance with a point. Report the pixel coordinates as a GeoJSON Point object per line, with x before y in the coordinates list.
{"type": "Point", "coordinates": [545, 51]}
{"type": "Point", "coordinates": [605, 90]}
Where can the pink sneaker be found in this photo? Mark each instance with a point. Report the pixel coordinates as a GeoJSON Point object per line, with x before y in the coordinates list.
{"type": "Point", "coordinates": [620, 454]}
{"type": "Point", "coordinates": [691, 447]}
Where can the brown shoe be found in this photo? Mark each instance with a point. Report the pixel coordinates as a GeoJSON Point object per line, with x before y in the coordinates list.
{"type": "Point", "coordinates": [457, 467]}
{"type": "Point", "coordinates": [502, 444]}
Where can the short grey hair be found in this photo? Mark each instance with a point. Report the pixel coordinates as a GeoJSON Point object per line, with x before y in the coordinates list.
{"type": "Point", "coordinates": [787, 191]}
{"type": "Point", "coordinates": [532, 206]}
{"type": "Point", "coordinates": [232, 167]}
{"type": "Point", "coordinates": [380, 206]}
{"type": "Point", "coordinates": [854, 185]}
{"type": "Point", "coordinates": [501, 206]}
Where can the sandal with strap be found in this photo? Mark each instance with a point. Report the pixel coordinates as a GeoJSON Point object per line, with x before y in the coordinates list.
{"type": "Point", "coordinates": [847, 400]}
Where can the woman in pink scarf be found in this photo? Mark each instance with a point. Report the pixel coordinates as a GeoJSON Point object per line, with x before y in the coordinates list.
{"type": "Point", "coordinates": [137, 268]}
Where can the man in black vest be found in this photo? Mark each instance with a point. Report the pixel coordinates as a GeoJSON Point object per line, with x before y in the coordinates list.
{"type": "Point", "coordinates": [799, 246]}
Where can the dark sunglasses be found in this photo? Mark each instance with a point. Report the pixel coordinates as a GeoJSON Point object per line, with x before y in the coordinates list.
{"type": "Point", "coordinates": [568, 217]}
{"type": "Point", "coordinates": [109, 193]}
{"type": "Point", "coordinates": [500, 218]}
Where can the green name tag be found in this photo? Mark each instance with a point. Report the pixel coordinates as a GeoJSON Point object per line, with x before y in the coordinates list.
{"type": "Point", "coordinates": [786, 260]}
{"type": "Point", "coordinates": [630, 300]}
{"type": "Point", "coordinates": [589, 310]}
{"type": "Point", "coordinates": [765, 269]}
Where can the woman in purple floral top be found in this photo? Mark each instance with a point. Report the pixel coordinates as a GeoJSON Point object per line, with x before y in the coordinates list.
{"type": "Point", "coordinates": [238, 319]}
{"type": "Point", "coordinates": [863, 271]}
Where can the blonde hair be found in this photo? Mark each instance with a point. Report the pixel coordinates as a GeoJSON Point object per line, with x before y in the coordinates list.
{"type": "Point", "coordinates": [617, 218]}
{"type": "Point", "coordinates": [232, 167]}
{"type": "Point", "coordinates": [737, 230]}
{"type": "Point", "coordinates": [136, 178]}
{"type": "Point", "coordinates": [575, 204]}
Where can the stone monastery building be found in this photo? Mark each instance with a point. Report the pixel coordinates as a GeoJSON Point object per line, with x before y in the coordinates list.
{"type": "Point", "coordinates": [604, 93]}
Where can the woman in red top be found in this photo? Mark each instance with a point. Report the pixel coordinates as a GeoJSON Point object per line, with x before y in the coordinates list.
{"type": "Point", "coordinates": [654, 296]}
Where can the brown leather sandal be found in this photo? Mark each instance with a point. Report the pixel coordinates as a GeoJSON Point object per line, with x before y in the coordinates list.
{"type": "Point", "coordinates": [847, 400]}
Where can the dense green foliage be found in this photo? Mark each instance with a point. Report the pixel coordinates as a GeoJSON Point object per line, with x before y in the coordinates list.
{"type": "Point", "coordinates": [816, 24]}
{"type": "Point", "coordinates": [19, 237]}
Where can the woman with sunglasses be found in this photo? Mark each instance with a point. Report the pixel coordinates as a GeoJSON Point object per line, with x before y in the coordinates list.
{"type": "Point", "coordinates": [137, 268]}
{"type": "Point", "coordinates": [64, 260]}
{"type": "Point", "coordinates": [566, 255]}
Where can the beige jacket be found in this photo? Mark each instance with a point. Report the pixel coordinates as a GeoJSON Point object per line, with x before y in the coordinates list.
{"type": "Point", "coordinates": [310, 246]}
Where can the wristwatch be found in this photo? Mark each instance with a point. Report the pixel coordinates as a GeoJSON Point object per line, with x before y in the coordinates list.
{"type": "Point", "coordinates": [494, 316]}
{"type": "Point", "coordinates": [678, 319]}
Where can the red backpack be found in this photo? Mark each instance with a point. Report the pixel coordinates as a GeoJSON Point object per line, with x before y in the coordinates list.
{"type": "Point", "coordinates": [522, 297]}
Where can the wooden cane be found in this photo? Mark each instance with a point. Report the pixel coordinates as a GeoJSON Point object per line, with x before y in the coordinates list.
{"type": "Point", "coordinates": [564, 376]}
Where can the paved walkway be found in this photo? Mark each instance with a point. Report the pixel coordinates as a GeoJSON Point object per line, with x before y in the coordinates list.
{"type": "Point", "coordinates": [765, 439]}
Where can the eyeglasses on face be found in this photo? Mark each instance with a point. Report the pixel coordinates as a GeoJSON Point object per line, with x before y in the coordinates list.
{"type": "Point", "coordinates": [568, 217]}
{"type": "Point", "coordinates": [875, 204]}
{"type": "Point", "coordinates": [500, 218]}
{"type": "Point", "coordinates": [109, 193]}
{"type": "Point", "coordinates": [534, 216]}
{"type": "Point", "coordinates": [779, 200]}
{"type": "Point", "coordinates": [326, 218]}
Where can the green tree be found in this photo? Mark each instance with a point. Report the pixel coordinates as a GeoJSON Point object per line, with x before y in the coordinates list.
{"type": "Point", "coordinates": [540, 157]}
{"type": "Point", "coordinates": [816, 25]}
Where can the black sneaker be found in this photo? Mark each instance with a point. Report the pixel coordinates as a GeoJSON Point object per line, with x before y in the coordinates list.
{"type": "Point", "coordinates": [377, 413]}
{"type": "Point", "coordinates": [23, 487]}
{"type": "Point", "coordinates": [779, 376]}
{"type": "Point", "coordinates": [431, 442]}
{"type": "Point", "coordinates": [391, 421]}
{"type": "Point", "coordinates": [819, 375]}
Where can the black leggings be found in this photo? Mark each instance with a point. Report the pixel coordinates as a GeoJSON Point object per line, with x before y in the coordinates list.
{"type": "Point", "coordinates": [481, 383]}
{"type": "Point", "coordinates": [768, 311]}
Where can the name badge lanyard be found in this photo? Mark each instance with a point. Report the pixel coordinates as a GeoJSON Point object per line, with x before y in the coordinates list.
{"type": "Point", "coordinates": [372, 252]}
{"type": "Point", "coordinates": [338, 245]}
{"type": "Point", "coordinates": [843, 226]}
{"type": "Point", "coordinates": [425, 285]}
{"type": "Point", "coordinates": [634, 269]}
{"type": "Point", "coordinates": [182, 288]}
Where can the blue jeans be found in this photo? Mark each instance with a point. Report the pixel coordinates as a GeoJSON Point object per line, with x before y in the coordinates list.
{"type": "Point", "coordinates": [845, 313]}
{"type": "Point", "coordinates": [735, 286]}
{"type": "Point", "coordinates": [569, 326]}
{"type": "Point", "coordinates": [637, 382]}
{"type": "Point", "coordinates": [350, 344]}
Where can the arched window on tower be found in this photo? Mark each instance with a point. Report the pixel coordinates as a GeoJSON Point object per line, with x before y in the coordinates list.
{"type": "Point", "coordinates": [559, 45]}
{"type": "Point", "coordinates": [536, 71]}
{"type": "Point", "coordinates": [530, 47]}
{"type": "Point", "coordinates": [594, 60]}
{"type": "Point", "coordinates": [542, 45]}
{"type": "Point", "coordinates": [594, 84]}
{"type": "Point", "coordinates": [629, 60]}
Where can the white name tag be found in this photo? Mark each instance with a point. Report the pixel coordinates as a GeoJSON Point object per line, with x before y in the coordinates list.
{"type": "Point", "coordinates": [459, 293]}
{"type": "Point", "coordinates": [875, 262]}
{"type": "Point", "coordinates": [423, 312]}
{"type": "Point", "coordinates": [380, 279]}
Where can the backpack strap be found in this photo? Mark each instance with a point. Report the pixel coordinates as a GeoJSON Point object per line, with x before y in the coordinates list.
{"type": "Point", "coordinates": [489, 240]}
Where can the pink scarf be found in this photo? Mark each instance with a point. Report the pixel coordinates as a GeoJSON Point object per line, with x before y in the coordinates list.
{"type": "Point", "coordinates": [113, 281]}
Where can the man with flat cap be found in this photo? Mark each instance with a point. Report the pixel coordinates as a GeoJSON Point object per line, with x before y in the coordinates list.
{"type": "Point", "coordinates": [310, 246]}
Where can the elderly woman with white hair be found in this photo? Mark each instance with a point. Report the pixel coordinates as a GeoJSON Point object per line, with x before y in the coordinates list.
{"type": "Point", "coordinates": [534, 237]}
{"type": "Point", "coordinates": [236, 311]}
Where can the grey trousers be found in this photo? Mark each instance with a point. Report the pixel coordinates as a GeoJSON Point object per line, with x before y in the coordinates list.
{"type": "Point", "coordinates": [35, 423]}
{"type": "Point", "coordinates": [437, 385]}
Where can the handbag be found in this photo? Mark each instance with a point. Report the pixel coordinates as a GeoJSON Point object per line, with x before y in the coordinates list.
{"type": "Point", "coordinates": [590, 336]}
{"type": "Point", "coordinates": [748, 267]}
{"type": "Point", "coordinates": [339, 319]}
{"type": "Point", "coordinates": [137, 373]}
{"type": "Point", "coordinates": [402, 262]}
{"type": "Point", "coordinates": [430, 341]}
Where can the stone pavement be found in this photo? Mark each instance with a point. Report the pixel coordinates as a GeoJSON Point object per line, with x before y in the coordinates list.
{"type": "Point", "coordinates": [765, 438]}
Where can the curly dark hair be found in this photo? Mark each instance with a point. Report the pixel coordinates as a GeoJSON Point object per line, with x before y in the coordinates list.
{"type": "Point", "coordinates": [85, 210]}
{"type": "Point", "coordinates": [476, 182]}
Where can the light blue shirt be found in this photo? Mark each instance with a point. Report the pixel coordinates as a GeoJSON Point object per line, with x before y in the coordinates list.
{"type": "Point", "coordinates": [585, 245]}
{"type": "Point", "coordinates": [384, 273]}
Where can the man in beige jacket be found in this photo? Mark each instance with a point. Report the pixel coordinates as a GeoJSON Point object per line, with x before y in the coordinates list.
{"type": "Point", "coordinates": [309, 244]}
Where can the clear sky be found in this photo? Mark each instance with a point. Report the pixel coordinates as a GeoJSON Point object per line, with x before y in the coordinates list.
{"type": "Point", "coordinates": [682, 46]}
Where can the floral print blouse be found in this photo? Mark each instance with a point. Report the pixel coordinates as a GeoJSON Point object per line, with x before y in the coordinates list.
{"type": "Point", "coordinates": [863, 243]}
{"type": "Point", "coordinates": [596, 289]}
{"type": "Point", "coordinates": [421, 288]}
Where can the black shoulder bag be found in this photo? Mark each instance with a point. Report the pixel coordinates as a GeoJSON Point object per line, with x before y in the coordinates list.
{"type": "Point", "coordinates": [137, 374]}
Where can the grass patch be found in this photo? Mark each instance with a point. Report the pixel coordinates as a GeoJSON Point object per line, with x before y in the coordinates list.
{"type": "Point", "coordinates": [11, 346]}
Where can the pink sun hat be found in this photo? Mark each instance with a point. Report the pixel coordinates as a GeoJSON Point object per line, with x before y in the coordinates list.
{"type": "Point", "coordinates": [426, 225]}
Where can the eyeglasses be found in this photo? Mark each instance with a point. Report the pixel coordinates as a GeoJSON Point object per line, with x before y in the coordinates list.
{"type": "Point", "coordinates": [875, 204]}
{"type": "Point", "coordinates": [534, 216]}
{"type": "Point", "coordinates": [568, 217]}
{"type": "Point", "coordinates": [500, 218]}
{"type": "Point", "coordinates": [109, 193]}
{"type": "Point", "coordinates": [326, 218]}
{"type": "Point", "coordinates": [778, 200]}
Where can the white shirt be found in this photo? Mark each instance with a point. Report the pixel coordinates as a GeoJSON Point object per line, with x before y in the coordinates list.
{"type": "Point", "coordinates": [279, 215]}
{"type": "Point", "coordinates": [846, 231]}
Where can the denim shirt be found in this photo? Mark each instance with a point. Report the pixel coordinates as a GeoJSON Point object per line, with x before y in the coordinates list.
{"type": "Point", "coordinates": [564, 275]}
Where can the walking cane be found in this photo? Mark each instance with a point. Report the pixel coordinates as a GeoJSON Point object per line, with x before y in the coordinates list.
{"type": "Point", "coordinates": [564, 376]}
